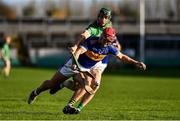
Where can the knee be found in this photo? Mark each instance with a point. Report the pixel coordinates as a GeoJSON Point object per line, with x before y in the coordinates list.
{"type": "Point", "coordinates": [77, 86]}
{"type": "Point", "coordinates": [97, 74]}
{"type": "Point", "coordinates": [96, 85]}
{"type": "Point", "coordinates": [77, 78]}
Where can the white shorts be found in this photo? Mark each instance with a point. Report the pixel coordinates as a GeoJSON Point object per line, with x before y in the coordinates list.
{"type": "Point", "coordinates": [100, 66]}
{"type": "Point", "coordinates": [67, 71]}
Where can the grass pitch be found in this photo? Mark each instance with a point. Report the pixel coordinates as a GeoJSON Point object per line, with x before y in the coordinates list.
{"type": "Point", "coordinates": [121, 97]}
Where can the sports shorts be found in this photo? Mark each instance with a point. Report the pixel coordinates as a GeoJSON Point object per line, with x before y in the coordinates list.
{"type": "Point", "coordinates": [67, 71]}
{"type": "Point", "coordinates": [6, 52]}
{"type": "Point", "coordinates": [100, 66]}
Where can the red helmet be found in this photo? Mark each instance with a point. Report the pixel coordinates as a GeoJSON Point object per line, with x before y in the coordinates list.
{"type": "Point", "coordinates": [109, 34]}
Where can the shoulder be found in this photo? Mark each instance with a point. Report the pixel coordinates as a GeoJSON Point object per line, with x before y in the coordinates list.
{"type": "Point", "coordinates": [112, 49]}
{"type": "Point", "coordinates": [109, 24]}
{"type": "Point", "coordinates": [93, 24]}
{"type": "Point", "coordinates": [92, 28]}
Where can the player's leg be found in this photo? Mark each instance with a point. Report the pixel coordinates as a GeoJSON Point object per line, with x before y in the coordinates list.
{"type": "Point", "coordinates": [47, 84]}
{"type": "Point", "coordinates": [80, 91]}
{"type": "Point", "coordinates": [59, 77]}
{"type": "Point", "coordinates": [74, 84]}
{"type": "Point", "coordinates": [6, 68]}
{"type": "Point", "coordinates": [7, 62]}
{"type": "Point", "coordinates": [70, 84]}
{"type": "Point", "coordinates": [95, 86]}
{"type": "Point", "coordinates": [69, 108]}
{"type": "Point", "coordinates": [85, 100]}
{"type": "Point", "coordinates": [78, 94]}
{"type": "Point", "coordinates": [97, 72]}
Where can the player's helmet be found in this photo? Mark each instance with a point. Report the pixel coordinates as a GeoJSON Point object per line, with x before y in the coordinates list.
{"type": "Point", "coordinates": [105, 11]}
{"type": "Point", "coordinates": [109, 34]}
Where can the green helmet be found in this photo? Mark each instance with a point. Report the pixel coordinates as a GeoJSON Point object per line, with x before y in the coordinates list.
{"type": "Point", "coordinates": [105, 11]}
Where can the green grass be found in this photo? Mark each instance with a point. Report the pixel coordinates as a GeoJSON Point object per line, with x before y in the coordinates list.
{"type": "Point", "coordinates": [120, 97]}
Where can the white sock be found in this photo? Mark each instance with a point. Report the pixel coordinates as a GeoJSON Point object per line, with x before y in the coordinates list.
{"type": "Point", "coordinates": [35, 92]}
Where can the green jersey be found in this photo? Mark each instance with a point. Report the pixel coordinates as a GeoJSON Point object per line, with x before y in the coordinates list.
{"type": "Point", "coordinates": [95, 30]}
{"type": "Point", "coordinates": [5, 49]}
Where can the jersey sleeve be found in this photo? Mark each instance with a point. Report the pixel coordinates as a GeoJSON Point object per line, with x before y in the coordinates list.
{"type": "Point", "coordinates": [113, 50]}
{"type": "Point", "coordinates": [92, 28]}
{"type": "Point", "coordinates": [85, 44]}
{"type": "Point", "coordinates": [6, 51]}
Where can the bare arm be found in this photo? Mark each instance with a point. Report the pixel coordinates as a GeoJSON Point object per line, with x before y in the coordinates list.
{"type": "Point", "coordinates": [129, 60]}
{"type": "Point", "coordinates": [79, 51]}
{"type": "Point", "coordinates": [81, 39]}
{"type": "Point", "coordinates": [126, 58]}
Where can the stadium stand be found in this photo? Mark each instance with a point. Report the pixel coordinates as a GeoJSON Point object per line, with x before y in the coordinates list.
{"type": "Point", "coordinates": [37, 33]}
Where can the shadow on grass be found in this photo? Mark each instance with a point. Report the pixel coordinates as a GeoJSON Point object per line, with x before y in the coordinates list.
{"type": "Point", "coordinates": [151, 72]}
{"type": "Point", "coordinates": [28, 113]}
{"type": "Point", "coordinates": [171, 72]}
{"type": "Point", "coordinates": [10, 99]}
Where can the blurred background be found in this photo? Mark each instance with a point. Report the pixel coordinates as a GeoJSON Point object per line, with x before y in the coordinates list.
{"type": "Point", "coordinates": [43, 29]}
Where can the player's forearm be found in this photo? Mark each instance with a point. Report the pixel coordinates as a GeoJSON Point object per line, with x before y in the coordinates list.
{"type": "Point", "coordinates": [78, 52]}
{"type": "Point", "coordinates": [79, 41]}
{"type": "Point", "coordinates": [129, 60]}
